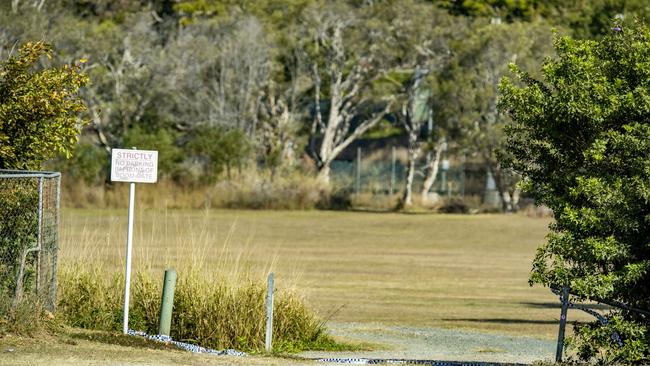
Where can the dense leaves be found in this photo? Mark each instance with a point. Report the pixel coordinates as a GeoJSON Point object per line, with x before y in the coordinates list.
{"type": "Point", "coordinates": [581, 139]}
{"type": "Point", "coordinates": [38, 109]}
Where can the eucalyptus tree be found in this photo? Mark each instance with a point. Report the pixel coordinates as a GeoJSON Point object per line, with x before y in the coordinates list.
{"type": "Point", "coordinates": [125, 81]}
{"type": "Point", "coordinates": [219, 69]}
{"type": "Point", "coordinates": [417, 44]}
{"type": "Point", "coordinates": [338, 48]}
{"type": "Point", "coordinates": [470, 85]}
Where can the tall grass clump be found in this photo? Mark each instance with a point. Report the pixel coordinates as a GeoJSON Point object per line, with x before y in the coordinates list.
{"type": "Point", "coordinates": [207, 311]}
{"type": "Point", "coordinates": [220, 293]}
{"type": "Point", "coordinates": [27, 317]}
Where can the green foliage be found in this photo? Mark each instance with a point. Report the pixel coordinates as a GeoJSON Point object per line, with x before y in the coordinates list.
{"type": "Point", "coordinates": [595, 340]}
{"type": "Point", "coordinates": [170, 156]}
{"type": "Point", "coordinates": [220, 149]}
{"type": "Point", "coordinates": [581, 139]}
{"type": "Point", "coordinates": [208, 312]}
{"type": "Point", "coordinates": [18, 230]}
{"type": "Point", "coordinates": [585, 18]}
{"type": "Point", "coordinates": [89, 164]}
{"type": "Point", "coordinates": [522, 9]}
{"type": "Point", "coordinates": [38, 109]}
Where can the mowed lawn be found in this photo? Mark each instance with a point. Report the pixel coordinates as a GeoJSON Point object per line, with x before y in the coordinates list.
{"type": "Point", "coordinates": [455, 271]}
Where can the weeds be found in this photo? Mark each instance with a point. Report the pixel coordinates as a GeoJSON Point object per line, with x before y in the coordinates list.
{"type": "Point", "coordinates": [28, 317]}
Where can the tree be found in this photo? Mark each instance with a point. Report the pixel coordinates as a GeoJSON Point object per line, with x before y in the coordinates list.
{"type": "Point", "coordinates": [416, 39]}
{"type": "Point", "coordinates": [471, 83]}
{"type": "Point", "coordinates": [343, 68]}
{"type": "Point", "coordinates": [39, 109]}
{"type": "Point", "coordinates": [218, 149]}
{"type": "Point", "coordinates": [580, 137]}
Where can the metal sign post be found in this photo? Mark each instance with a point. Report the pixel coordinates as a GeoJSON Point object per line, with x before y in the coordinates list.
{"type": "Point", "coordinates": [129, 249]}
{"type": "Point", "coordinates": [133, 166]}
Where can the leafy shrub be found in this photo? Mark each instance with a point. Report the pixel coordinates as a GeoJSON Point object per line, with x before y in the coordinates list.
{"type": "Point", "coordinates": [453, 206]}
{"type": "Point", "coordinates": [38, 108]}
{"type": "Point", "coordinates": [89, 164]}
{"type": "Point", "coordinates": [581, 139]}
{"type": "Point", "coordinates": [220, 149]}
{"type": "Point", "coordinates": [170, 156]}
{"type": "Point", "coordinates": [18, 231]}
{"type": "Point", "coordinates": [339, 199]}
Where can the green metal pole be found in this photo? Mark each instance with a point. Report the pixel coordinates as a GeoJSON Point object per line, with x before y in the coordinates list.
{"type": "Point", "coordinates": [167, 304]}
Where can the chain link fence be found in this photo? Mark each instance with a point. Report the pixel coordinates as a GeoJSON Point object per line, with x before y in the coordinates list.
{"type": "Point", "coordinates": [388, 176]}
{"type": "Point", "coordinates": [29, 241]}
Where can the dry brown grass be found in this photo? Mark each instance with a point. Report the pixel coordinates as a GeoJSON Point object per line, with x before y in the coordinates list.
{"type": "Point", "coordinates": [413, 269]}
{"type": "Point", "coordinates": [79, 347]}
{"type": "Point", "coordinates": [252, 190]}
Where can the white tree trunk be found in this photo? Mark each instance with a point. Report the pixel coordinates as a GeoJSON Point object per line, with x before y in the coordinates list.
{"type": "Point", "coordinates": [324, 173]}
{"type": "Point", "coordinates": [413, 152]}
{"type": "Point", "coordinates": [408, 191]}
{"type": "Point", "coordinates": [432, 171]}
{"type": "Point", "coordinates": [346, 87]}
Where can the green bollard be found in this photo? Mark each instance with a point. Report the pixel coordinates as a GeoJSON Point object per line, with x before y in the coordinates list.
{"type": "Point", "coordinates": [167, 303]}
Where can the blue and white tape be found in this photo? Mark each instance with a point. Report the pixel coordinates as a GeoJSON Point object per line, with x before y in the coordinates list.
{"type": "Point", "coordinates": [187, 346]}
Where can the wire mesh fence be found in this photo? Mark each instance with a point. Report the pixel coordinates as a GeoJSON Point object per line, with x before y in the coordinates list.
{"type": "Point", "coordinates": [29, 241]}
{"type": "Point", "coordinates": [388, 176]}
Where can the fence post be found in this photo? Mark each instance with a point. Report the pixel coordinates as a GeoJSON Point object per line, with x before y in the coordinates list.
{"type": "Point", "coordinates": [55, 249]}
{"type": "Point", "coordinates": [39, 238]}
{"type": "Point", "coordinates": [392, 171]}
{"type": "Point", "coordinates": [167, 303]}
{"type": "Point", "coordinates": [564, 298]}
{"type": "Point", "coordinates": [269, 313]}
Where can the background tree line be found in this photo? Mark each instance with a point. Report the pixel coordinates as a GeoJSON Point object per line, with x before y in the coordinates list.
{"type": "Point", "coordinates": [221, 87]}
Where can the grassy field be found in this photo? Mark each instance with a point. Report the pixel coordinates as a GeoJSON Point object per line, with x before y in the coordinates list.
{"type": "Point", "coordinates": [427, 270]}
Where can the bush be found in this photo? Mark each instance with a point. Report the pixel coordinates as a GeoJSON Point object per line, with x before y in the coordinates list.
{"type": "Point", "coordinates": [170, 156]}
{"type": "Point", "coordinates": [89, 164]}
{"type": "Point", "coordinates": [208, 312]}
{"type": "Point", "coordinates": [18, 232]}
{"type": "Point", "coordinates": [38, 109]}
{"type": "Point", "coordinates": [453, 206]}
{"type": "Point", "coordinates": [220, 149]}
{"type": "Point", "coordinates": [581, 139]}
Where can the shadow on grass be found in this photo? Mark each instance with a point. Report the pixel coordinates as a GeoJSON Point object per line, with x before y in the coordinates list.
{"type": "Point", "coordinates": [119, 339]}
{"type": "Point", "coordinates": [502, 321]}
{"type": "Point", "coordinates": [557, 305]}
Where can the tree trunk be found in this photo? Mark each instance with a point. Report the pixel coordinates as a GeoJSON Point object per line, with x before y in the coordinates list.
{"type": "Point", "coordinates": [507, 197]}
{"type": "Point", "coordinates": [432, 171]}
{"type": "Point", "coordinates": [413, 153]}
{"type": "Point", "coordinates": [324, 173]}
{"type": "Point", "coordinates": [408, 191]}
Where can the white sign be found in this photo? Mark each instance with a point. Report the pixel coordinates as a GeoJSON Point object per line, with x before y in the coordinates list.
{"type": "Point", "coordinates": [136, 166]}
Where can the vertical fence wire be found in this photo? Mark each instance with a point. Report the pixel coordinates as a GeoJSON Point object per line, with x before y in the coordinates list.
{"type": "Point", "coordinates": [388, 176]}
